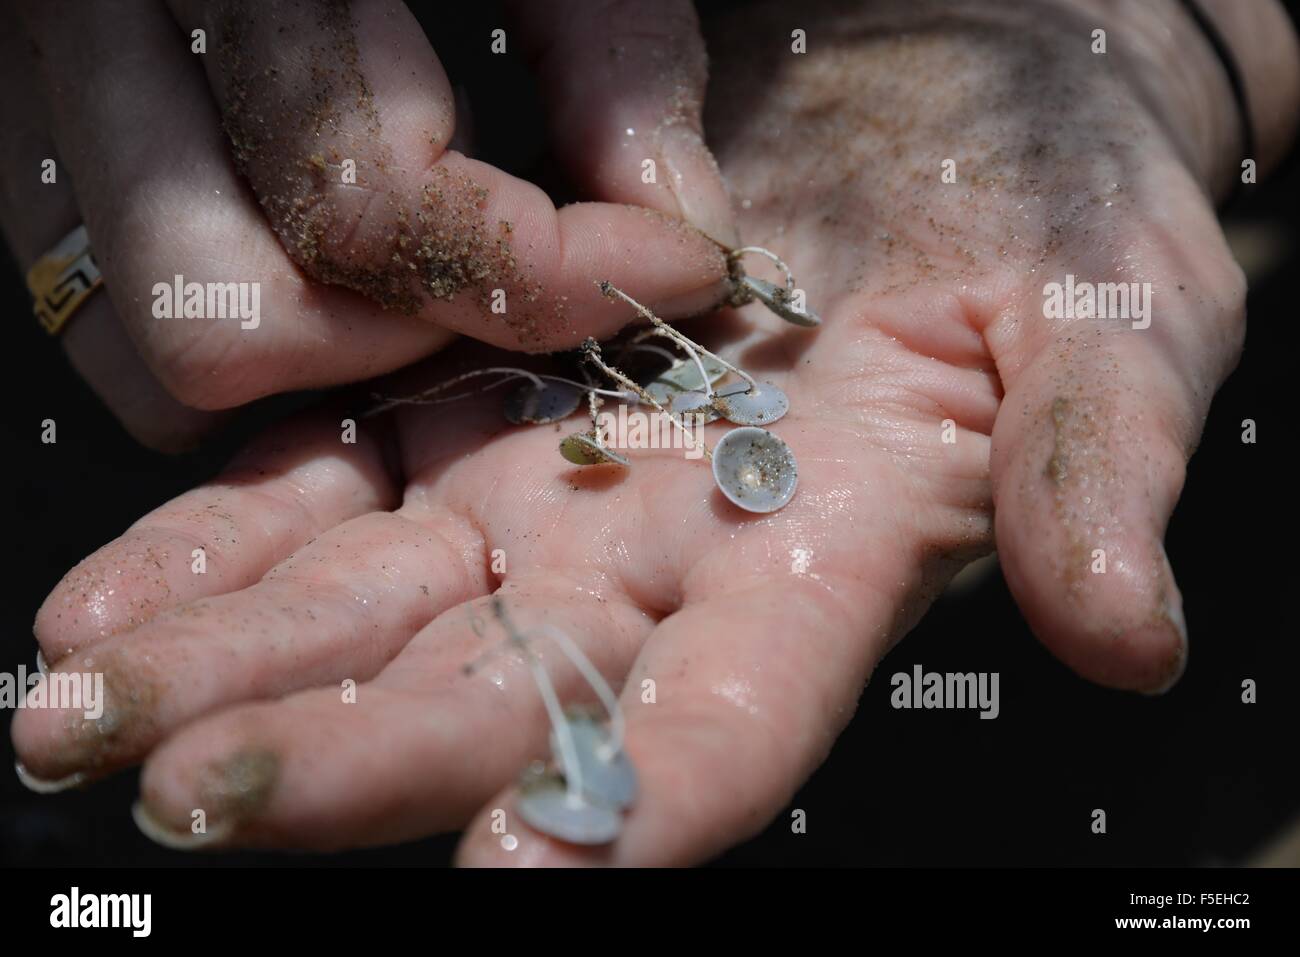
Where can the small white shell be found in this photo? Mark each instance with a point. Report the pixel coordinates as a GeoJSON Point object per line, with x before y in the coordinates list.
{"type": "Point", "coordinates": [755, 469]}
{"type": "Point", "coordinates": [762, 406]}
{"type": "Point", "coordinates": [607, 780]}
{"type": "Point", "coordinates": [545, 804]}
{"type": "Point", "coordinates": [529, 405]}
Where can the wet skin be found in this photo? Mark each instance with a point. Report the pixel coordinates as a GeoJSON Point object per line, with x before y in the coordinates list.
{"type": "Point", "coordinates": [373, 562]}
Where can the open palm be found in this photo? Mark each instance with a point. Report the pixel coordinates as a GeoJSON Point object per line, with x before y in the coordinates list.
{"type": "Point", "coordinates": [374, 562]}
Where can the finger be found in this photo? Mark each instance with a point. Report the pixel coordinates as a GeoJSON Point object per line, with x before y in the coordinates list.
{"type": "Point", "coordinates": [751, 689]}
{"type": "Point", "coordinates": [420, 749]}
{"type": "Point", "coordinates": [1089, 455]}
{"type": "Point", "coordinates": [339, 608]}
{"type": "Point", "coordinates": [308, 98]}
{"type": "Point", "coordinates": [154, 214]}
{"type": "Point", "coordinates": [288, 486]}
{"type": "Point", "coordinates": [38, 215]}
{"type": "Point", "coordinates": [103, 354]}
{"type": "Point", "coordinates": [624, 85]}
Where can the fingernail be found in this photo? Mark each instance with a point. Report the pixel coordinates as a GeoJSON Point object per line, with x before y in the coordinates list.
{"type": "Point", "coordinates": [41, 786]}
{"type": "Point", "coordinates": [40, 663]}
{"type": "Point", "coordinates": [1174, 612]}
{"type": "Point", "coordinates": [1178, 661]}
{"type": "Point", "coordinates": [696, 183]}
{"type": "Point", "coordinates": [163, 834]}
{"type": "Point", "coordinates": [1174, 618]}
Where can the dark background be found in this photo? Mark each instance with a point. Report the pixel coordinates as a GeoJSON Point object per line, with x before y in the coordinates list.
{"type": "Point", "coordinates": [1191, 778]}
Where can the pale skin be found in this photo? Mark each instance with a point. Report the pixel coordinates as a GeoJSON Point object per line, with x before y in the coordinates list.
{"type": "Point", "coordinates": [372, 562]}
{"type": "Point", "coordinates": [116, 94]}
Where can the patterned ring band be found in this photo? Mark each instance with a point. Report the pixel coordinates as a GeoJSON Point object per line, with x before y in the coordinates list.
{"type": "Point", "coordinates": [63, 279]}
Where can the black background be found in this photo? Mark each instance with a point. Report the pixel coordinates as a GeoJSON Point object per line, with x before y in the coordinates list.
{"type": "Point", "coordinates": [1191, 778]}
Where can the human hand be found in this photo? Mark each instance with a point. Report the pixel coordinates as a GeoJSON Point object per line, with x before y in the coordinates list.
{"type": "Point", "coordinates": [932, 296]}
{"type": "Point", "coordinates": [356, 267]}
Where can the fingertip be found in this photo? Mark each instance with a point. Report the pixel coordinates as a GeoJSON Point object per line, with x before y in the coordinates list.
{"type": "Point", "coordinates": [499, 837]}
{"type": "Point", "coordinates": [93, 713]}
{"type": "Point", "coordinates": [39, 785]}
{"type": "Point", "coordinates": [208, 785]}
{"type": "Point", "coordinates": [112, 590]}
{"type": "Point", "coordinates": [1169, 657]}
{"type": "Point", "coordinates": [1089, 458]}
{"type": "Point", "coordinates": [696, 184]}
{"type": "Point", "coordinates": [46, 742]}
{"type": "Point", "coordinates": [629, 125]}
{"type": "Point", "coordinates": [1108, 606]}
{"type": "Point", "coordinates": [172, 838]}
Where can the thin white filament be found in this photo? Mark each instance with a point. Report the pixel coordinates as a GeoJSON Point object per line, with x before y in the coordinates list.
{"type": "Point", "coordinates": [538, 380]}
{"type": "Point", "coordinates": [597, 682]}
{"type": "Point", "coordinates": [572, 771]}
{"type": "Point", "coordinates": [551, 701]}
{"type": "Point", "coordinates": [677, 337]}
{"type": "Point", "coordinates": [789, 275]}
{"type": "Point", "coordinates": [649, 399]}
{"type": "Point", "coordinates": [690, 351]}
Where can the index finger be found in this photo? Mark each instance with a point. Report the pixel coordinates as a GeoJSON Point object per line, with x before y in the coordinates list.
{"type": "Point", "coordinates": [340, 117]}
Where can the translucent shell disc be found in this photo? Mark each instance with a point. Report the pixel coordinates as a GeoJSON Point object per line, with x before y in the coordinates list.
{"type": "Point", "coordinates": [755, 469]}
{"type": "Point", "coordinates": [529, 405]}
{"type": "Point", "coordinates": [607, 780]}
{"type": "Point", "coordinates": [545, 804]}
{"type": "Point", "coordinates": [763, 406]}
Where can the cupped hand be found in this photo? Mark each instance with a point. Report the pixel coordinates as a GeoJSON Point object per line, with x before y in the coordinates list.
{"type": "Point", "coordinates": [935, 389]}
{"type": "Point", "coordinates": [307, 149]}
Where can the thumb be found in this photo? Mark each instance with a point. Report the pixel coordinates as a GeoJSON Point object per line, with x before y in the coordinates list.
{"type": "Point", "coordinates": [1088, 460]}
{"type": "Point", "coordinates": [624, 84]}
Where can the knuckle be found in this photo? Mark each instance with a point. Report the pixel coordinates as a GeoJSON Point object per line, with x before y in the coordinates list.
{"type": "Point", "coordinates": [201, 371]}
